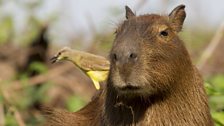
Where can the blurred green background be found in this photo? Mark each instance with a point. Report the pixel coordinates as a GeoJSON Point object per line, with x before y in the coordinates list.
{"type": "Point", "coordinates": [31, 31]}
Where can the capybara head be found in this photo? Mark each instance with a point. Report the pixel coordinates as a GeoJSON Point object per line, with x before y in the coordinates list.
{"type": "Point", "coordinates": [147, 55]}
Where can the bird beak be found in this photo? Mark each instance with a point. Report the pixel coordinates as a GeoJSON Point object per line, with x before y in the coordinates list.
{"type": "Point", "coordinates": [54, 59]}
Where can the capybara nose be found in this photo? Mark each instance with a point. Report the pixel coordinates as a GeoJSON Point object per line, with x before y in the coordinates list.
{"type": "Point", "coordinates": [124, 58]}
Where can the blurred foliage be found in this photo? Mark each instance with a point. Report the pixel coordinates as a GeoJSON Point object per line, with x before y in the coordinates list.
{"type": "Point", "coordinates": [38, 66]}
{"type": "Point", "coordinates": [215, 90]}
{"type": "Point", "coordinates": [6, 29]}
{"type": "Point", "coordinates": [103, 42]}
{"type": "Point", "coordinates": [10, 119]}
{"type": "Point", "coordinates": [74, 103]}
{"type": "Point", "coordinates": [196, 40]}
{"type": "Point", "coordinates": [31, 31]}
{"type": "Point", "coordinates": [24, 99]}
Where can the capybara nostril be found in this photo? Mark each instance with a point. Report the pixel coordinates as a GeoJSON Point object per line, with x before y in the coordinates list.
{"type": "Point", "coordinates": [133, 56]}
{"type": "Point", "coordinates": [114, 57]}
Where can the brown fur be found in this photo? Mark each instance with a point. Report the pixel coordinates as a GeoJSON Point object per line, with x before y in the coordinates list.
{"type": "Point", "coordinates": [90, 115]}
{"type": "Point", "coordinates": [151, 81]}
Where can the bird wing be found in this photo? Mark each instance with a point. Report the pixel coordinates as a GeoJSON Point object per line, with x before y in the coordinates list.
{"type": "Point", "coordinates": [91, 62]}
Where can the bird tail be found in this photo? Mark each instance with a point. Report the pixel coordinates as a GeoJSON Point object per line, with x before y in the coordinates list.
{"type": "Point", "coordinates": [96, 84]}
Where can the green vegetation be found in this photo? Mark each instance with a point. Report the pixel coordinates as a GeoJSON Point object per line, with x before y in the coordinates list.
{"type": "Point", "coordinates": [74, 103]}
{"type": "Point", "coordinates": [215, 90]}
{"type": "Point", "coordinates": [6, 32]}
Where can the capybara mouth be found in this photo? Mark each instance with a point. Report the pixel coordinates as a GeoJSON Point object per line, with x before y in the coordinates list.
{"type": "Point", "coordinates": [129, 88]}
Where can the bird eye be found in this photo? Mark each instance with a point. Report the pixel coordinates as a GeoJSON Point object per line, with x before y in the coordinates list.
{"type": "Point", "coordinates": [164, 33]}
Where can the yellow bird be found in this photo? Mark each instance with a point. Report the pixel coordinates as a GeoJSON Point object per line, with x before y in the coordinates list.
{"type": "Point", "coordinates": [94, 66]}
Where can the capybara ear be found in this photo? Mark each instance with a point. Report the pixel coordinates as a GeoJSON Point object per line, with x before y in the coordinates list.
{"type": "Point", "coordinates": [129, 12]}
{"type": "Point", "coordinates": [177, 17]}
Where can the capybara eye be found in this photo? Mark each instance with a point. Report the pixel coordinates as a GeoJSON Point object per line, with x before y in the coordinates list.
{"type": "Point", "coordinates": [164, 33]}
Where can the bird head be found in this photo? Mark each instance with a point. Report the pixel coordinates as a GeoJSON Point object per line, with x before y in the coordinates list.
{"type": "Point", "coordinates": [61, 55]}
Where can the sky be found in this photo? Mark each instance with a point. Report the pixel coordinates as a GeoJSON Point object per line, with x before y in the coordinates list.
{"type": "Point", "coordinates": [75, 17]}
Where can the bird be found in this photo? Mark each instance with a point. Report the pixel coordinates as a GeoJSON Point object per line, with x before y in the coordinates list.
{"type": "Point", "coordinates": [94, 66]}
